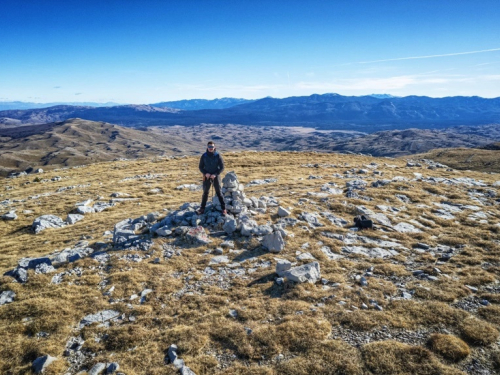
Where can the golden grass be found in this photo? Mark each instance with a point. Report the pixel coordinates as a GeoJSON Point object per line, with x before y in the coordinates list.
{"type": "Point", "coordinates": [449, 346]}
{"type": "Point", "coordinates": [392, 357]}
{"type": "Point", "coordinates": [295, 321]}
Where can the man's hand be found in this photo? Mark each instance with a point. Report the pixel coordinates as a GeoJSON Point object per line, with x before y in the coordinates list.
{"type": "Point", "coordinates": [207, 175]}
{"type": "Point", "coordinates": [213, 176]}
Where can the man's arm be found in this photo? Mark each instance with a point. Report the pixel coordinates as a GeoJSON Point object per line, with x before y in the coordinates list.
{"type": "Point", "coordinates": [221, 164]}
{"type": "Point", "coordinates": [202, 165]}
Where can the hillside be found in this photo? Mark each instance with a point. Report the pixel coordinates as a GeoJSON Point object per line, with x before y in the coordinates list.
{"type": "Point", "coordinates": [485, 160]}
{"type": "Point", "coordinates": [329, 111]}
{"type": "Point", "coordinates": [76, 142]}
{"type": "Point", "coordinates": [412, 141]}
{"type": "Point", "coordinates": [418, 294]}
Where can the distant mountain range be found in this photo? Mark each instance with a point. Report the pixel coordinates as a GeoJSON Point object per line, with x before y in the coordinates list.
{"type": "Point", "coordinates": [196, 104]}
{"type": "Point", "coordinates": [328, 111]}
{"type": "Point", "coordinates": [29, 105]}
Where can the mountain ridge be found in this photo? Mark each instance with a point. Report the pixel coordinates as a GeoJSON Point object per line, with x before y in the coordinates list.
{"type": "Point", "coordinates": [364, 113]}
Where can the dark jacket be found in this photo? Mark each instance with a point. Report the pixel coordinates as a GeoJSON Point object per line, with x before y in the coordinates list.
{"type": "Point", "coordinates": [211, 162]}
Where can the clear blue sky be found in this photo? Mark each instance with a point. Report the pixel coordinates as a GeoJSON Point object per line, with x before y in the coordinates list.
{"type": "Point", "coordinates": [146, 51]}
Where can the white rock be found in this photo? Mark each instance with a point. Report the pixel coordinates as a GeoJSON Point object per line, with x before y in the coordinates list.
{"type": "Point", "coordinates": [282, 212]}
{"type": "Point", "coordinates": [307, 273]}
{"type": "Point", "coordinates": [73, 218]}
{"type": "Point", "coordinates": [274, 242]}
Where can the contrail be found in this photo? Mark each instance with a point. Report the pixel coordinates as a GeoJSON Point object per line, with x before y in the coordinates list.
{"type": "Point", "coordinates": [430, 56]}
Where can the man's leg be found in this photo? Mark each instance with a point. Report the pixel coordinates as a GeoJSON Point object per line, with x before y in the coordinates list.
{"type": "Point", "coordinates": [206, 188]}
{"type": "Point", "coordinates": [218, 192]}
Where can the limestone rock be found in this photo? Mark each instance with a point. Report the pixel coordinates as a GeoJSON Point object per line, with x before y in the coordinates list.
{"type": "Point", "coordinates": [197, 236]}
{"type": "Point", "coordinates": [97, 369]}
{"type": "Point", "coordinates": [306, 273]}
{"type": "Point", "coordinates": [73, 218]}
{"type": "Point", "coordinates": [283, 212]}
{"type": "Point", "coordinates": [274, 242]}
{"type": "Point", "coordinates": [282, 266]}
{"type": "Point", "coordinates": [41, 363]}
{"type": "Point", "coordinates": [11, 215]}
{"type": "Point", "coordinates": [7, 297]}
{"type": "Point", "coordinates": [47, 221]}
{"type": "Point", "coordinates": [230, 225]}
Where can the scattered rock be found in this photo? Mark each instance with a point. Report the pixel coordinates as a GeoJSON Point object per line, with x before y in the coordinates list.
{"type": "Point", "coordinates": [73, 218]}
{"type": "Point", "coordinates": [282, 212]}
{"type": "Point", "coordinates": [11, 215]}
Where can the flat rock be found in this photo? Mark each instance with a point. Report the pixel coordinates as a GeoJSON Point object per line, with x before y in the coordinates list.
{"type": "Point", "coordinates": [47, 221]}
{"type": "Point", "coordinates": [219, 259]}
{"type": "Point", "coordinates": [73, 218]}
{"type": "Point", "coordinates": [99, 317]}
{"type": "Point", "coordinates": [406, 228]}
{"type": "Point", "coordinates": [9, 216]}
{"type": "Point", "coordinates": [306, 273]}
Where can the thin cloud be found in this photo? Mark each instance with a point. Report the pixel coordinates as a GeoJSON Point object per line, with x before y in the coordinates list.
{"type": "Point", "coordinates": [78, 93]}
{"type": "Point", "coordinates": [57, 87]}
{"type": "Point", "coordinates": [429, 56]}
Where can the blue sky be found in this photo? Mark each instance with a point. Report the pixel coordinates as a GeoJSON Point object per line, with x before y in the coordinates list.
{"type": "Point", "coordinates": [149, 51]}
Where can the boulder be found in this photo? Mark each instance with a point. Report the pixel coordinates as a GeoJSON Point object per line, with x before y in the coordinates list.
{"type": "Point", "coordinates": [282, 266]}
{"type": "Point", "coordinates": [47, 221]}
{"type": "Point", "coordinates": [97, 369]}
{"type": "Point", "coordinates": [283, 212]}
{"type": "Point", "coordinates": [274, 242]}
{"type": "Point", "coordinates": [41, 363]}
{"type": "Point", "coordinates": [262, 230]}
{"type": "Point", "coordinates": [11, 215]}
{"type": "Point", "coordinates": [73, 218]}
{"type": "Point", "coordinates": [307, 273]}
{"type": "Point", "coordinates": [31, 263]}
{"type": "Point", "coordinates": [230, 225]}
{"type": "Point", "coordinates": [83, 210]}
{"type": "Point", "coordinates": [197, 236]}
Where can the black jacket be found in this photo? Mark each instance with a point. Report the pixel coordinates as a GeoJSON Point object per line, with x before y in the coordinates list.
{"type": "Point", "coordinates": [211, 162]}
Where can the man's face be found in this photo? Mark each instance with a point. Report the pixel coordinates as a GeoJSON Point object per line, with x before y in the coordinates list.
{"type": "Point", "coordinates": [211, 148]}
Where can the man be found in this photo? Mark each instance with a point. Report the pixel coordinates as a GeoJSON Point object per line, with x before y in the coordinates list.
{"type": "Point", "coordinates": [211, 166]}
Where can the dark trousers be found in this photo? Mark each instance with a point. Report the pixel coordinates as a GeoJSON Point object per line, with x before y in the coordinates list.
{"type": "Point", "coordinates": [207, 184]}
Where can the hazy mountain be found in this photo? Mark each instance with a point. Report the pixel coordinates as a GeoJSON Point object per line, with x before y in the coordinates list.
{"type": "Point", "coordinates": [29, 105]}
{"type": "Point", "coordinates": [328, 111]}
{"type": "Point", "coordinates": [195, 104]}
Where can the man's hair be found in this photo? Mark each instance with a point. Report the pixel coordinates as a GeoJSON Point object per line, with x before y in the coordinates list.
{"type": "Point", "coordinates": [210, 143]}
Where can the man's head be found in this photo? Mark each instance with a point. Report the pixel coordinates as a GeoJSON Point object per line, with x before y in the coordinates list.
{"type": "Point", "coordinates": [211, 146]}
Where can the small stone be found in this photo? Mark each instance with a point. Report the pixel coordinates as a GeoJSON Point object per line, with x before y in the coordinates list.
{"type": "Point", "coordinates": [282, 266]}
{"type": "Point", "coordinates": [483, 302]}
{"type": "Point", "coordinates": [417, 272]}
{"type": "Point", "coordinates": [363, 281]}
{"type": "Point", "coordinates": [279, 281]}
{"type": "Point", "coordinates": [472, 288]}
{"type": "Point", "coordinates": [7, 297]}
{"type": "Point", "coordinates": [274, 242]}
{"type": "Point", "coordinates": [282, 212]}
{"type": "Point", "coordinates": [97, 369]}
{"type": "Point", "coordinates": [112, 367]}
{"type": "Point", "coordinates": [218, 251]}
{"type": "Point", "coordinates": [233, 313]}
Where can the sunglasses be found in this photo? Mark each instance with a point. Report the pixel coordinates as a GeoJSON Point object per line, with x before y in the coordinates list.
{"type": "Point", "coordinates": [211, 146]}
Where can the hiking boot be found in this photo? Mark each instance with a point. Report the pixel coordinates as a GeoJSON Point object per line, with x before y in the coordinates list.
{"type": "Point", "coordinates": [200, 211]}
{"type": "Point", "coordinates": [224, 212]}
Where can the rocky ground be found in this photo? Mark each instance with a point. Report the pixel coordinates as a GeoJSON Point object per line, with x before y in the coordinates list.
{"type": "Point", "coordinates": [108, 268]}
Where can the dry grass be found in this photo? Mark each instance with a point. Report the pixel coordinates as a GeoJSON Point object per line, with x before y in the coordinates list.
{"type": "Point", "coordinates": [449, 346]}
{"type": "Point", "coordinates": [392, 357]}
{"type": "Point", "coordinates": [295, 321]}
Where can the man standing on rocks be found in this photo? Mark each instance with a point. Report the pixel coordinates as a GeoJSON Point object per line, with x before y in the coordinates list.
{"type": "Point", "coordinates": [211, 166]}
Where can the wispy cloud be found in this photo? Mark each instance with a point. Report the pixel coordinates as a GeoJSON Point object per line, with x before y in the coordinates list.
{"type": "Point", "coordinates": [57, 87]}
{"type": "Point", "coordinates": [78, 93]}
{"type": "Point", "coordinates": [429, 56]}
